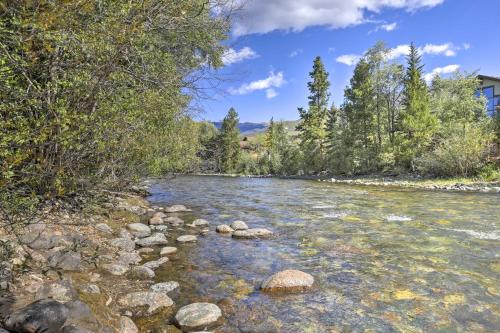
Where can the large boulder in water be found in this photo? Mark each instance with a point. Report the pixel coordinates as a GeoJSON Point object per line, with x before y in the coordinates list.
{"type": "Point", "coordinates": [253, 233]}
{"type": "Point", "coordinates": [198, 316]}
{"type": "Point", "coordinates": [288, 280]}
{"type": "Point", "coordinates": [177, 208]}
{"type": "Point", "coordinates": [224, 229]}
{"type": "Point", "coordinates": [45, 315]}
{"type": "Point", "coordinates": [239, 225]}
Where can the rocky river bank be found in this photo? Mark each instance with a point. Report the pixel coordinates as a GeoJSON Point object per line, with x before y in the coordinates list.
{"type": "Point", "coordinates": [94, 270]}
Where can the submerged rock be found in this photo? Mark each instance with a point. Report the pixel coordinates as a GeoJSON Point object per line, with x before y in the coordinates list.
{"type": "Point", "coordinates": [177, 208]}
{"type": "Point", "coordinates": [45, 315]}
{"type": "Point", "coordinates": [198, 316]}
{"type": "Point", "coordinates": [168, 250]}
{"type": "Point", "coordinates": [154, 301]}
{"type": "Point", "coordinates": [239, 225]}
{"type": "Point", "coordinates": [153, 240]}
{"type": "Point", "coordinates": [139, 230]}
{"type": "Point", "coordinates": [199, 223]}
{"type": "Point", "coordinates": [165, 287]}
{"type": "Point", "coordinates": [75, 329]}
{"type": "Point", "coordinates": [224, 229]}
{"type": "Point", "coordinates": [127, 325]}
{"type": "Point", "coordinates": [253, 233]}
{"type": "Point", "coordinates": [187, 238]}
{"type": "Point", "coordinates": [157, 218]}
{"type": "Point", "coordinates": [174, 221]}
{"type": "Point", "coordinates": [156, 263]}
{"type": "Point", "coordinates": [288, 280]}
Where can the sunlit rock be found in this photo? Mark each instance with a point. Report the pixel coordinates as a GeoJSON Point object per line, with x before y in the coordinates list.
{"type": "Point", "coordinates": [288, 280]}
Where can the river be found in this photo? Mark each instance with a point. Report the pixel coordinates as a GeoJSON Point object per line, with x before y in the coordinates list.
{"type": "Point", "coordinates": [384, 259]}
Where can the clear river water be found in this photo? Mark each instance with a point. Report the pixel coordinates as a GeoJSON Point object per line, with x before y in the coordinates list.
{"type": "Point", "coordinates": [384, 259]}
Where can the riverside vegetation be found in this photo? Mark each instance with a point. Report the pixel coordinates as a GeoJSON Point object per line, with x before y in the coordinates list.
{"type": "Point", "coordinates": [97, 95]}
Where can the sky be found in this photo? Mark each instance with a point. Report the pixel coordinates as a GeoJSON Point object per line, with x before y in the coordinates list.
{"type": "Point", "coordinates": [273, 44]}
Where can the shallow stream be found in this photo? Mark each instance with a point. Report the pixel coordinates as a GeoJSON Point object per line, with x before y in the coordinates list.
{"type": "Point", "coordinates": [384, 259]}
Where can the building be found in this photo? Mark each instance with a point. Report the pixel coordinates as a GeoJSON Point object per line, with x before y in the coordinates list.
{"type": "Point", "coordinates": [490, 87]}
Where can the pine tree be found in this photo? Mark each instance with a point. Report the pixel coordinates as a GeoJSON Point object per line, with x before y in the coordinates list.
{"type": "Point", "coordinates": [229, 142]}
{"type": "Point", "coordinates": [418, 124]}
{"type": "Point", "coordinates": [313, 126]}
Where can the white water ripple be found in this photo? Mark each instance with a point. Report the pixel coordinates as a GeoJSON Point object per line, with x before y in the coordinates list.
{"type": "Point", "coordinates": [493, 235]}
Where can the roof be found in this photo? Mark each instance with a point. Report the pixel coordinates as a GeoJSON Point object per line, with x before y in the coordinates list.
{"type": "Point", "coordinates": [486, 77]}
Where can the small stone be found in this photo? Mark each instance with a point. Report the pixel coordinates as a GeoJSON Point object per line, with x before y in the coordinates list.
{"type": "Point", "coordinates": [177, 208]}
{"type": "Point", "coordinates": [90, 288]}
{"type": "Point", "coordinates": [62, 291]}
{"type": "Point", "coordinates": [187, 238]}
{"type": "Point", "coordinates": [239, 225]}
{"type": "Point", "coordinates": [139, 230]}
{"type": "Point", "coordinates": [156, 219]}
{"type": "Point", "coordinates": [65, 260]}
{"type": "Point", "coordinates": [41, 316]}
{"type": "Point", "coordinates": [199, 223]}
{"type": "Point", "coordinates": [156, 263]}
{"type": "Point", "coordinates": [198, 316]}
{"type": "Point", "coordinates": [103, 227]}
{"type": "Point", "coordinates": [116, 269]}
{"type": "Point", "coordinates": [123, 233]}
{"type": "Point", "coordinates": [165, 287]}
{"type": "Point", "coordinates": [124, 244]}
{"type": "Point", "coordinates": [168, 250]}
{"type": "Point", "coordinates": [129, 258]}
{"type": "Point", "coordinates": [153, 300]}
{"type": "Point", "coordinates": [253, 233]}
{"type": "Point", "coordinates": [146, 250]}
{"type": "Point", "coordinates": [127, 325]}
{"type": "Point", "coordinates": [224, 229]}
{"type": "Point", "coordinates": [142, 273]}
{"type": "Point", "coordinates": [288, 280]}
{"type": "Point", "coordinates": [153, 240]}
{"type": "Point", "coordinates": [161, 228]}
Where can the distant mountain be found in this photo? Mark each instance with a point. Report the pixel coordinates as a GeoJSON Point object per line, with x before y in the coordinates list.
{"type": "Point", "coordinates": [248, 128]}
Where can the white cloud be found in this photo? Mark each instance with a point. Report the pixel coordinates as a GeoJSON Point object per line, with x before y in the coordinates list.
{"type": "Point", "coordinates": [466, 46]}
{"type": "Point", "coordinates": [399, 51]}
{"type": "Point", "coordinates": [446, 49]}
{"type": "Point", "coordinates": [272, 81]}
{"type": "Point", "coordinates": [271, 93]}
{"type": "Point", "coordinates": [265, 16]}
{"type": "Point", "coordinates": [349, 59]}
{"type": "Point", "coordinates": [295, 53]}
{"type": "Point", "coordinates": [231, 56]}
{"type": "Point", "coordinates": [389, 26]}
{"type": "Point", "coordinates": [440, 70]}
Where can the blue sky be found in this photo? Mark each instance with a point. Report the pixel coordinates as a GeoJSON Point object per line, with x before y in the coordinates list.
{"type": "Point", "coordinates": [274, 42]}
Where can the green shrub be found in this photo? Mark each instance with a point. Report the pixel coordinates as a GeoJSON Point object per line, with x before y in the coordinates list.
{"type": "Point", "coordinates": [462, 152]}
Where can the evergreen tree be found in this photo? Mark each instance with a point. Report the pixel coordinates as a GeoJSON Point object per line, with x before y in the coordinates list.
{"type": "Point", "coordinates": [358, 108]}
{"type": "Point", "coordinates": [230, 142]}
{"type": "Point", "coordinates": [418, 124]}
{"type": "Point", "coordinates": [313, 126]}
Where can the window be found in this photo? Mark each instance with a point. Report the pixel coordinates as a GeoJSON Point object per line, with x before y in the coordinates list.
{"type": "Point", "coordinates": [493, 100]}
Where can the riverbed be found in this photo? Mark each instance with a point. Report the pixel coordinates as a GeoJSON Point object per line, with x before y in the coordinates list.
{"type": "Point", "coordinates": [384, 259]}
